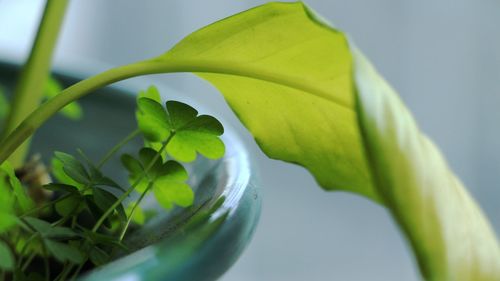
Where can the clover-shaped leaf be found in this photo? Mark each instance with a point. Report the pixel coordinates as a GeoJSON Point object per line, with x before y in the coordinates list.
{"type": "Point", "coordinates": [190, 133]}
{"type": "Point", "coordinates": [194, 134]}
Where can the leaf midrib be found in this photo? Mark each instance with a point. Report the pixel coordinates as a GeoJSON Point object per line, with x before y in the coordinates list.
{"type": "Point", "coordinates": [162, 65]}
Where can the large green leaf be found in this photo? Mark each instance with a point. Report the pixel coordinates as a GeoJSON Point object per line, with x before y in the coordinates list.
{"type": "Point", "coordinates": [292, 81]}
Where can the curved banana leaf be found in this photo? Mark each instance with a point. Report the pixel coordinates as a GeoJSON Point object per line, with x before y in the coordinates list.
{"type": "Point", "coordinates": [294, 82]}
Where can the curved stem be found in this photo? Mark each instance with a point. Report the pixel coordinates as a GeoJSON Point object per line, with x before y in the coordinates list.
{"type": "Point", "coordinates": [160, 65]}
{"type": "Point", "coordinates": [46, 262]}
{"type": "Point", "coordinates": [29, 89]}
{"type": "Point", "coordinates": [28, 261]}
{"type": "Point", "coordinates": [132, 212]}
{"type": "Point", "coordinates": [49, 108]}
{"type": "Point", "coordinates": [77, 271]}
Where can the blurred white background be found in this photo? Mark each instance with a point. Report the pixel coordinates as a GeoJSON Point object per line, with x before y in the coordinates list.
{"type": "Point", "coordinates": [442, 56]}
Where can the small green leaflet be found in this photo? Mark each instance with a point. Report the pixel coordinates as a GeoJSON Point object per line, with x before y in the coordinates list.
{"type": "Point", "coordinates": [192, 132]}
{"type": "Point", "coordinates": [60, 187]}
{"type": "Point", "coordinates": [68, 170]}
{"type": "Point", "coordinates": [85, 184]}
{"type": "Point", "coordinates": [171, 188]}
{"type": "Point", "coordinates": [61, 176]}
{"type": "Point", "coordinates": [47, 231]}
{"type": "Point", "coordinates": [73, 168]}
{"type": "Point", "coordinates": [167, 179]}
{"type": "Point", "coordinates": [52, 237]}
{"type": "Point", "coordinates": [64, 252]}
{"type": "Point", "coordinates": [12, 184]}
{"type": "Point", "coordinates": [73, 110]}
{"type": "Point", "coordinates": [70, 205]}
{"type": "Point", "coordinates": [7, 215]}
{"type": "Point", "coordinates": [6, 257]}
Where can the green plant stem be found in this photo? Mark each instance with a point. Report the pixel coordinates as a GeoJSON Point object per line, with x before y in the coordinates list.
{"type": "Point", "coordinates": [28, 261]}
{"type": "Point", "coordinates": [46, 263]}
{"type": "Point", "coordinates": [25, 247]}
{"type": "Point", "coordinates": [132, 187]}
{"type": "Point", "coordinates": [136, 204]}
{"type": "Point", "coordinates": [117, 147]}
{"type": "Point", "coordinates": [77, 271]}
{"type": "Point", "coordinates": [64, 273]}
{"type": "Point", "coordinates": [29, 89]}
{"type": "Point", "coordinates": [160, 65]}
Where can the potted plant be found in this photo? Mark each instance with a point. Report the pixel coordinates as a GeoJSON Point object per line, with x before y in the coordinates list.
{"type": "Point", "coordinates": [207, 233]}
{"type": "Point", "coordinates": [309, 97]}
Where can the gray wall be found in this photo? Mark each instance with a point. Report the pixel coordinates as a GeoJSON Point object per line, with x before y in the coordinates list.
{"type": "Point", "coordinates": [442, 56]}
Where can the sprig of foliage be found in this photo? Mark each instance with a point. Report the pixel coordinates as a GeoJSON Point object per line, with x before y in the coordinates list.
{"type": "Point", "coordinates": [86, 220]}
{"type": "Point", "coordinates": [310, 97]}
